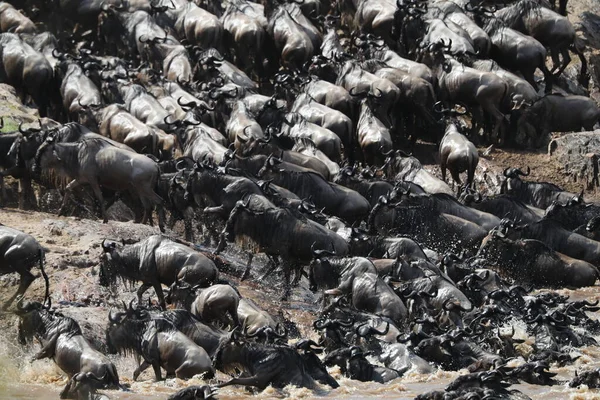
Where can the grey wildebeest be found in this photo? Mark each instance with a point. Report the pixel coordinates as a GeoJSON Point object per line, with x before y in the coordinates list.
{"type": "Point", "coordinates": [279, 232]}
{"type": "Point", "coordinates": [19, 252]}
{"type": "Point", "coordinates": [457, 153]}
{"type": "Point", "coordinates": [13, 21]}
{"type": "Point", "coordinates": [263, 365]}
{"type": "Point", "coordinates": [62, 340]}
{"type": "Point", "coordinates": [557, 113]}
{"type": "Point", "coordinates": [552, 30]}
{"type": "Point", "coordinates": [210, 304]}
{"type": "Point", "coordinates": [480, 91]}
{"type": "Point", "coordinates": [356, 276]}
{"type": "Point", "coordinates": [532, 261]}
{"type": "Point", "coordinates": [155, 261]}
{"type": "Point", "coordinates": [537, 194]}
{"type": "Point", "coordinates": [159, 343]}
{"type": "Point", "coordinates": [100, 164]}
{"type": "Point", "coordinates": [26, 69]}
{"type": "Point", "coordinates": [336, 199]}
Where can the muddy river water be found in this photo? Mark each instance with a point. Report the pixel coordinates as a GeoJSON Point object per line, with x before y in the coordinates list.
{"type": "Point", "coordinates": [41, 380]}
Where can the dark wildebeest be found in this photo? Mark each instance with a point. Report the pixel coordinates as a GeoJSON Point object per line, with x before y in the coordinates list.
{"type": "Point", "coordinates": [210, 304]}
{"type": "Point", "coordinates": [98, 163]}
{"type": "Point", "coordinates": [19, 252]}
{"type": "Point", "coordinates": [457, 153]}
{"type": "Point", "coordinates": [532, 261]}
{"type": "Point", "coordinates": [263, 365]}
{"type": "Point", "coordinates": [63, 341]}
{"type": "Point", "coordinates": [159, 343]}
{"type": "Point", "coordinates": [155, 261]}
{"type": "Point", "coordinates": [537, 194]}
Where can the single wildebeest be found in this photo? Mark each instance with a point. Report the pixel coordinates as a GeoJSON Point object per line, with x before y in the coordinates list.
{"type": "Point", "coordinates": [155, 261]}
{"type": "Point", "coordinates": [63, 341]}
{"type": "Point", "coordinates": [159, 343]}
{"type": "Point", "coordinates": [337, 200]}
{"type": "Point", "coordinates": [19, 252]}
{"type": "Point", "coordinates": [263, 365]}
{"type": "Point", "coordinates": [355, 365]}
{"type": "Point", "coordinates": [573, 214]}
{"type": "Point", "coordinates": [99, 163]}
{"type": "Point", "coordinates": [537, 194]}
{"type": "Point", "coordinates": [558, 113]}
{"type": "Point", "coordinates": [83, 386]}
{"type": "Point", "coordinates": [532, 261]}
{"type": "Point", "coordinates": [193, 392]}
{"type": "Point", "coordinates": [457, 153]}
{"type": "Point", "coordinates": [210, 304]}
{"type": "Point", "coordinates": [358, 277]}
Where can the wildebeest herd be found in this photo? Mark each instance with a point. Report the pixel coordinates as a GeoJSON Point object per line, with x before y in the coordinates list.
{"type": "Point", "coordinates": [286, 128]}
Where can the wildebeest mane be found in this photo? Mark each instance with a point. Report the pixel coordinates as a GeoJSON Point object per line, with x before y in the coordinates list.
{"type": "Point", "coordinates": [521, 9]}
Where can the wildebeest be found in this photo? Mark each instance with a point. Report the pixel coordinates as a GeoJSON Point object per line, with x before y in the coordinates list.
{"type": "Point", "coordinates": [357, 277]}
{"type": "Point", "coordinates": [159, 343]}
{"type": "Point", "coordinates": [13, 21]}
{"type": "Point", "coordinates": [337, 200]}
{"type": "Point", "coordinates": [97, 163]}
{"type": "Point", "coordinates": [557, 113]}
{"type": "Point", "coordinates": [263, 365]}
{"type": "Point", "coordinates": [537, 194]}
{"type": "Point", "coordinates": [19, 252]}
{"type": "Point", "coordinates": [62, 340]}
{"type": "Point", "coordinates": [26, 69]}
{"type": "Point", "coordinates": [155, 261]}
{"type": "Point", "coordinates": [214, 303]}
{"type": "Point", "coordinates": [532, 261]}
{"type": "Point", "coordinates": [280, 232]}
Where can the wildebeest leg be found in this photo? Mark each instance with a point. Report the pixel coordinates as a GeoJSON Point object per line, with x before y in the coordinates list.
{"type": "Point", "coordinates": [72, 185]}
{"type": "Point", "coordinates": [246, 381]}
{"type": "Point", "coordinates": [246, 273]}
{"type": "Point", "coordinates": [566, 60]}
{"type": "Point", "coordinates": [273, 264]}
{"type": "Point", "coordinates": [287, 287]}
{"type": "Point", "coordinates": [143, 366]}
{"type": "Point", "coordinates": [548, 78]}
{"type": "Point", "coordinates": [584, 78]}
{"type": "Point", "coordinates": [443, 168]}
{"type": "Point", "coordinates": [141, 291]}
{"type": "Point", "coordinates": [26, 279]}
{"type": "Point", "coordinates": [48, 350]}
{"type": "Point", "coordinates": [160, 295]}
{"type": "Point", "coordinates": [456, 177]}
{"type": "Point", "coordinates": [555, 59]}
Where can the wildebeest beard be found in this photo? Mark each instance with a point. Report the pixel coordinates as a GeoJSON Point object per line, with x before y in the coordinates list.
{"type": "Point", "coordinates": [125, 337]}
{"type": "Point", "coordinates": [125, 265]}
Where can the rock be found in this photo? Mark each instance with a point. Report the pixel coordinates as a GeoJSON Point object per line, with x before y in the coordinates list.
{"type": "Point", "coordinates": [578, 153]}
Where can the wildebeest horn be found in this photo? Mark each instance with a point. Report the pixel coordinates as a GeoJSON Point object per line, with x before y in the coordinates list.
{"type": "Point", "coordinates": [319, 324]}
{"type": "Point", "coordinates": [345, 324]}
{"type": "Point", "coordinates": [188, 105]}
{"type": "Point", "coordinates": [320, 253]}
{"type": "Point", "coordinates": [523, 173]}
{"type": "Point", "coordinates": [115, 319]}
{"type": "Point", "coordinates": [353, 92]}
{"type": "Point", "coordinates": [438, 107]}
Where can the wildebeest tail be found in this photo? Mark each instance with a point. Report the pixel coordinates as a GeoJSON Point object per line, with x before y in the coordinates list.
{"type": "Point", "coordinates": [46, 280]}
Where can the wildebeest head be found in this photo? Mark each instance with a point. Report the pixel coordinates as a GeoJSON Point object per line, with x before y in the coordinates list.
{"type": "Point", "coordinates": [194, 393]}
{"type": "Point", "coordinates": [83, 386]}
{"type": "Point", "coordinates": [321, 273]}
{"type": "Point", "coordinates": [36, 319]}
{"type": "Point", "coordinates": [109, 266]}
{"type": "Point", "coordinates": [125, 329]}
{"type": "Point", "coordinates": [181, 293]}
